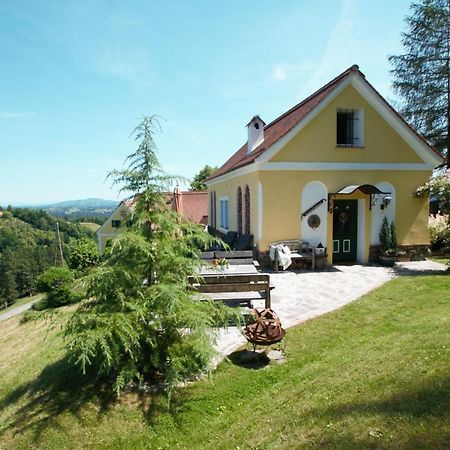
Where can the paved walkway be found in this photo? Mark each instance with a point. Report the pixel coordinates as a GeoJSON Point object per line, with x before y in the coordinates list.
{"type": "Point", "coordinates": [299, 296]}
{"type": "Point", "coordinates": [18, 310]}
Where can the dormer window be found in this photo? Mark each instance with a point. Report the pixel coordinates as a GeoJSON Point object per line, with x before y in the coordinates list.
{"type": "Point", "coordinates": [349, 128]}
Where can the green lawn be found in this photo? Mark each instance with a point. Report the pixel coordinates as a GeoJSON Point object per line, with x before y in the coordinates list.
{"type": "Point", "coordinates": [90, 226]}
{"type": "Point", "coordinates": [374, 374]}
{"type": "Point", "coordinates": [441, 259]}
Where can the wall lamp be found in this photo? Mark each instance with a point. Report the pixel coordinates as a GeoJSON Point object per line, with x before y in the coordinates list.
{"type": "Point", "coordinates": [386, 202]}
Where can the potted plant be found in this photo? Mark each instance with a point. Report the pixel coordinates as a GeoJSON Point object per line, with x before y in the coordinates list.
{"type": "Point", "coordinates": [219, 264]}
{"type": "Point", "coordinates": [403, 256]}
{"type": "Point", "coordinates": [388, 243]}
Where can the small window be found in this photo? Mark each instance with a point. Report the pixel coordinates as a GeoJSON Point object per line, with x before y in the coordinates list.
{"type": "Point", "coordinates": [224, 213]}
{"type": "Point", "coordinates": [115, 223]}
{"type": "Point", "coordinates": [257, 126]}
{"type": "Point", "coordinates": [349, 128]}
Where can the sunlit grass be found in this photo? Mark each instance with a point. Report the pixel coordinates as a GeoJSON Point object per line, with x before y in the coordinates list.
{"type": "Point", "coordinates": [371, 375]}
{"type": "Point", "coordinates": [90, 226]}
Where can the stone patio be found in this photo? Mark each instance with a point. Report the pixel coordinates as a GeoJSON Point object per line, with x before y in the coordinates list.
{"type": "Point", "coordinates": [302, 295]}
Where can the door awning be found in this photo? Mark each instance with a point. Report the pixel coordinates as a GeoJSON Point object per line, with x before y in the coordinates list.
{"type": "Point", "coordinates": [368, 189]}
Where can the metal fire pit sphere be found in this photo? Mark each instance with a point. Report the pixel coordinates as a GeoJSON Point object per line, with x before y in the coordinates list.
{"type": "Point", "coordinates": [266, 330]}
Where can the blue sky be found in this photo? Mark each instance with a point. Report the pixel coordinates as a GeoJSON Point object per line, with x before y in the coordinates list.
{"type": "Point", "coordinates": [77, 75]}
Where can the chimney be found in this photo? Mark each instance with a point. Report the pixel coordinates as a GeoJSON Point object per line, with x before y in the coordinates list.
{"type": "Point", "coordinates": [255, 130]}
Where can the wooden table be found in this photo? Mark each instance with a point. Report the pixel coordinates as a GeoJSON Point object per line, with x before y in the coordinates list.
{"type": "Point", "coordinates": [237, 283]}
{"type": "Point", "coordinates": [232, 269]}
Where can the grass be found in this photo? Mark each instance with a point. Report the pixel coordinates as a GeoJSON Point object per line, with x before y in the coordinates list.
{"type": "Point", "coordinates": [444, 259]}
{"type": "Point", "coordinates": [371, 375]}
{"type": "Point", "coordinates": [90, 226]}
{"type": "Point", "coordinates": [20, 302]}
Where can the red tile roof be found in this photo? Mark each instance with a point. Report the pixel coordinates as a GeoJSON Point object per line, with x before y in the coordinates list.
{"type": "Point", "coordinates": [276, 129]}
{"type": "Point", "coordinates": [192, 205]}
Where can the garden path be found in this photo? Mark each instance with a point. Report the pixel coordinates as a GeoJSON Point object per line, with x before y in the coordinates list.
{"type": "Point", "coordinates": [302, 295]}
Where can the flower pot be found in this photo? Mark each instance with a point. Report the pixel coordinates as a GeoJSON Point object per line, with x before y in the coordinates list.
{"type": "Point", "coordinates": [387, 260]}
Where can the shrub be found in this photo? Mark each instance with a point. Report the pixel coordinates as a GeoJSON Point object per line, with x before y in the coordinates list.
{"type": "Point", "coordinates": [57, 283]}
{"type": "Point", "coordinates": [54, 277]}
{"type": "Point", "coordinates": [439, 228]}
{"type": "Point", "coordinates": [83, 254]}
{"type": "Point", "coordinates": [388, 239]}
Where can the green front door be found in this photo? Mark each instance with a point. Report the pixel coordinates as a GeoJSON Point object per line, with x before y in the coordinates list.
{"type": "Point", "coordinates": [345, 223]}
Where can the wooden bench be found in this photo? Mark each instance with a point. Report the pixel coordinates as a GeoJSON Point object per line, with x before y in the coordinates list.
{"type": "Point", "coordinates": [241, 289]}
{"type": "Point", "coordinates": [300, 252]}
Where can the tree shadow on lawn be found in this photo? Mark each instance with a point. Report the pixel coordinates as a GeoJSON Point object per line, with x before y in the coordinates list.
{"type": "Point", "coordinates": [59, 388]}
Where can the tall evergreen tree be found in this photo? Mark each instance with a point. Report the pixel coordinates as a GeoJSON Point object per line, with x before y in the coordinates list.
{"type": "Point", "coordinates": [8, 285]}
{"type": "Point", "coordinates": [139, 321]}
{"type": "Point", "coordinates": [422, 73]}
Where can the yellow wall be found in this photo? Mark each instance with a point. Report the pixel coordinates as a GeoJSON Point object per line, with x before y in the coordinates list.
{"type": "Point", "coordinates": [282, 202]}
{"type": "Point", "coordinates": [317, 141]}
{"type": "Point", "coordinates": [107, 232]}
{"type": "Point", "coordinates": [229, 189]}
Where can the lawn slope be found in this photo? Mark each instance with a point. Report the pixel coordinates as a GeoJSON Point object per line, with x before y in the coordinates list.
{"type": "Point", "coordinates": [374, 374]}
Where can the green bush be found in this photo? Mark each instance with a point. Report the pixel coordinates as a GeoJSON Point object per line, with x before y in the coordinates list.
{"type": "Point", "coordinates": [439, 228]}
{"type": "Point", "coordinates": [61, 296]}
{"type": "Point", "coordinates": [83, 254]}
{"type": "Point", "coordinates": [53, 278]}
{"type": "Point", "coordinates": [57, 283]}
{"type": "Point", "coordinates": [388, 239]}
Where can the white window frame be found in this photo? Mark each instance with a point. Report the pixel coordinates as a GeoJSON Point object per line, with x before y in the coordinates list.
{"type": "Point", "coordinates": [224, 212]}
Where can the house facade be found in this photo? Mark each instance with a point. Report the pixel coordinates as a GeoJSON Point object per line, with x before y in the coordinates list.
{"type": "Point", "coordinates": [192, 205]}
{"type": "Point", "coordinates": [328, 171]}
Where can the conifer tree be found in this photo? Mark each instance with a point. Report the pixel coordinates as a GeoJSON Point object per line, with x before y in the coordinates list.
{"type": "Point", "coordinates": [8, 285]}
{"type": "Point", "coordinates": [198, 183]}
{"type": "Point", "coordinates": [422, 73]}
{"type": "Point", "coordinates": [139, 321]}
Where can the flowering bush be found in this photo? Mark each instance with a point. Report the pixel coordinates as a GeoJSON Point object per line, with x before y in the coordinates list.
{"type": "Point", "coordinates": [438, 186]}
{"type": "Point", "coordinates": [439, 232]}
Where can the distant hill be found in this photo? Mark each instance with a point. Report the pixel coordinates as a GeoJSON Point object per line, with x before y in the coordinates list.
{"type": "Point", "coordinates": [28, 245]}
{"type": "Point", "coordinates": [90, 207]}
{"type": "Point", "coordinates": [88, 203]}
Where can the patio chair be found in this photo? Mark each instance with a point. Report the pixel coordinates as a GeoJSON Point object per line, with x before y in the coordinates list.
{"type": "Point", "coordinates": [244, 242]}
{"type": "Point", "coordinates": [229, 239]}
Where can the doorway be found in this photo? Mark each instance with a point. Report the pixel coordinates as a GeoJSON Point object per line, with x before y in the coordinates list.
{"type": "Point", "coordinates": [345, 230]}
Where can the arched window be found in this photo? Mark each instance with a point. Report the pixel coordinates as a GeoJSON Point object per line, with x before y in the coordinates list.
{"type": "Point", "coordinates": [239, 210]}
{"type": "Point", "coordinates": [212, 209]}
{"type": "Point", "coordinates": [247, 210]}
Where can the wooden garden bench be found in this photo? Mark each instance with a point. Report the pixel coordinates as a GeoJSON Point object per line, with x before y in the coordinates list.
{"type": "Point", "coordinates": [300, 252]}
{"type": "Point", "coordinates": [234, 289]}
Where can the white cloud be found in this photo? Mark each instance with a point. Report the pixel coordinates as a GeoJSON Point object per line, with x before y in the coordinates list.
{"type": "Point", "coordinates": [279, 73]}
{"type": "Point", "coordinates": [130, 66]}
{"type": "Point", "coordinates": [340, 51]}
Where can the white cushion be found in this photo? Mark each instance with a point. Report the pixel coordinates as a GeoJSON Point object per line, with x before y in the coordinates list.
{"type": "Point", "coordinates": [286, 250]}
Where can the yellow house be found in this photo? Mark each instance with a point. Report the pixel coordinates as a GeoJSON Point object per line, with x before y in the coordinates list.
{"type": "Point", "coordinates": [192, 205]}
{"type": "Point", "coordinates": [328, 171]}
{"type": "Point", "coordinates": [115, 224]}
